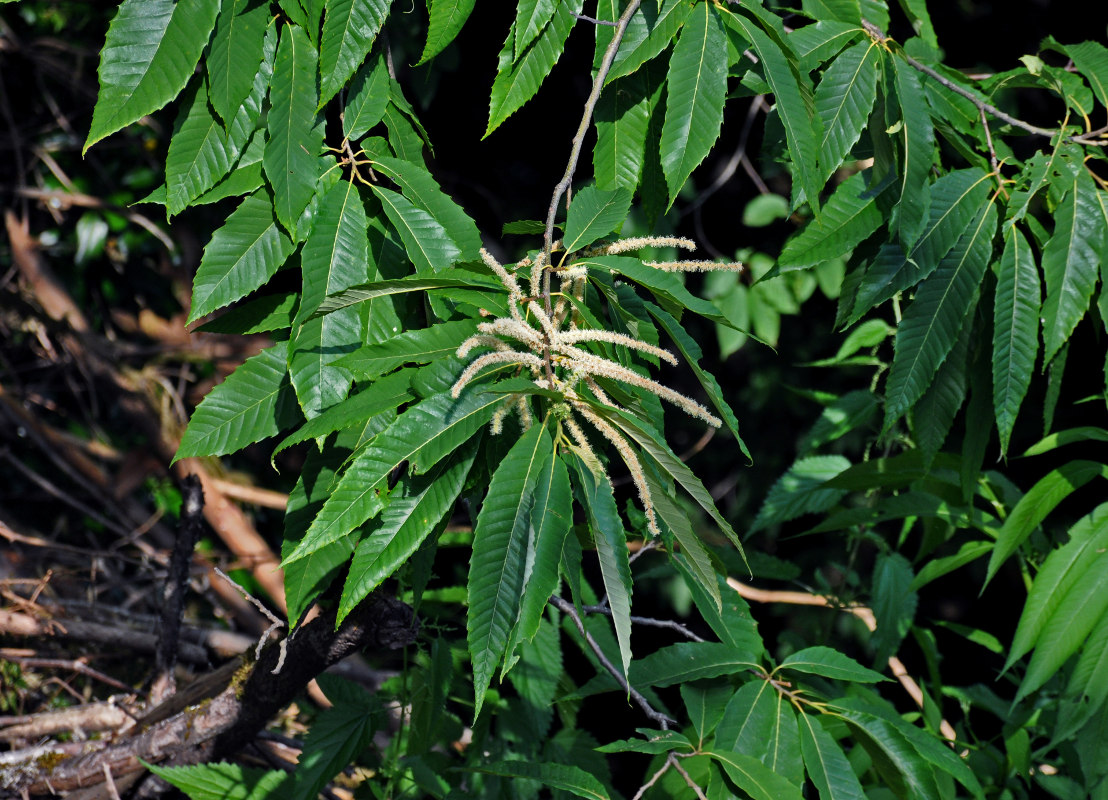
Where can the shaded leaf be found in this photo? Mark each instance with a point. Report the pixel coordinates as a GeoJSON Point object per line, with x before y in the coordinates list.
{"type": "Point", "coordinates": [917, 141]}
{"type": "Point", "coordinates": [801, 490]}
{"type": "Point", "coordinates": [894, 603]}
{"type": "Point", "coordinates": [1040, 500]}
{"type": "Point", "coordinates": [1070, 261]}
{"type": "Point", "coordinates": [826, 763]}
{"type": "Point", "coordinates": [1015, 331]}
{"type": "Point", "coordinates": [956, 201]}
{"type": "Point", "coordinates": [556, 776]}
{"type": "Point", "coordinates": [933, 321]}
{"type": "Point", "coordinates": [850, 216]}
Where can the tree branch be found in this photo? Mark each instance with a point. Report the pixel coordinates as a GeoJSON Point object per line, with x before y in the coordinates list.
{"type": "Point", "coordinates": [660, 719]}
{"type": "Point", "coordinates": [586, 119]}
{"type": "Point", "coordinates": [981, 105]}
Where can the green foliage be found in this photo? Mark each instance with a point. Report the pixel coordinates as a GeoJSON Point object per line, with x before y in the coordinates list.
{"type": "Point", "coordinates": [427, 380]}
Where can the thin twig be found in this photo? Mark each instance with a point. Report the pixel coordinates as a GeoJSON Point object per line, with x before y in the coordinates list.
{"type": "Point", "coordinates": [688, 779]}
{"type": "Point", "coordinates": [586, 120]}
{"type": "Point", "coordinates": [274, 622]}
{"type": "Point", "coordinates": [988, 139]}
{"type": "Point", "coordinates": [981, 105]}
{"type": "Point", "coordinates": [653, 779]}
{"type": "Point", "coordinates": [657, 717]}
{"type": "Point", "coordinates": [648, 621]}
{"type": "Point", "coordinates": [593, 20]}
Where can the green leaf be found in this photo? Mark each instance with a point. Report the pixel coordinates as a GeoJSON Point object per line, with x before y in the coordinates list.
{"type": "Point", "coordinates": [555, 776]}
{"type": "Point", "coordinates": [666, 287]}
{"type": "Point", "coordinates": [801, 490]}
{"type": "Point", "coordinates": [422, 436]}
{"type": "Point", "coordinates": [337, 735]}
{"type": "Point", "coordinates": [956, 201]}
{"type": "Point", "coordinates": [900, 765]}
{"type": "Point", "coordinates": [894, 604]}
{"type": "Point", "coordinates": [412, 514]}
{"type": "Point", "coordinates": [349, 29]}
{"type": "Point", "coordinates": [270, 312]}
{"type": "Point", "coordinates": [649, 32]}
{"type": "Point", "coordinates": [252, 403]}
{"type": "Point", "coordinates": [1062, 569]}
{"type": "Point", "coordinates": [830, 663]}
{"type": "Point", "coordinates": [150, 53]}
{"type": "Point", "coordinates": [551, 521]}
{"type": "Point", "coordinates": [426, 241]}
{"type": "Point", "coordinates": [531, 17]}
{"type": "Point", "coordinates": [663, 742]}
{"type": "Point", "coordinates": [314, 345]}
{"type": "Point", "coordinates": [1084, 433]}
{"type": "Point", "coordinates": [764, 210]}
{"type": "Point", "coordinates": [1040, 500]}
{"type": "Point", "coordinates": [692, 354]}
{"type": "Point", "coordinates": [850, 412]}
{"type": "Point", "coordinates": [936, 568]}
{"type": "Point", "coordinates": [200, 152]}
{"type": "Point", "coordinates": [696, 554]}
{"type": "Point", "coordinates": [826, 763]}
{"type": "Point", "coordinates": [1091, 60]}
{"type": "Point", "coordinates": [498, 562]}
{"type": "Point", "coordinates": [242, 255]}
{"type": "Point", "coordinates": [933, 321]}
{"type": "Point", "coordinates": [446, 20]}
{"type": "Point", "coordinates": [850, 216]}
{"type": "Point", "coordinates": [676, 664]}
{"type": "Point", "coordinates": [419, 187]}
{"type": "Point", "coordinates": [660, 452]}
{"type": "Point", "coordinates": [222, 781]}
{"type": "Point", "coordinates": [336, 253]}
{"type": "Point", "coordinates": [1070, 261]}
{"type": "Point", "coordinates": [622, 118]}
{"type": "Point", "coordinates": [794, 106]}
{"type": "Point", "coordinates": [371, 291]}
{"type": "Point", "coordinates": [1015, 331]}
{"type": "Point", "coordinates": [917, 141]}
{"type": "Point", "coordinates": [291, 161]}
{"type": "Point", "coordinates": [844, 98]}
{"type": "Point", "coordinates": [367, 99]}
{"type": "Point", "coordinates": [814, 44]}
{"type": "Point", "coordinates": [847, 11]}
{"type": "Point", "coordinates": [235, 56]}
{"type": "Point", "coordinates": [594, 213]}
{"type": "Point", "coordinates": [697, 86]}
{"type": "Point", "coordinates": [410, 347]}
{"type": "Point", "coordinates": [517, 80]}
{"type": "Point", "coordinates": [379, 396]}
{"type": "Point", "coordinates": [611, 550]}
{"type": "Point", "coordinates": [754, 777]}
